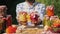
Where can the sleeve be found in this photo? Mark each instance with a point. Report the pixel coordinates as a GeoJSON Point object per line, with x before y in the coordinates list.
{"type": "Point", "coordinates": [42, 12]}
{"type": "Point", "coordinates": [18, 9]}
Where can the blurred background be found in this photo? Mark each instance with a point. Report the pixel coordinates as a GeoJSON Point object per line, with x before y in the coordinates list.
{"type": "Point", "coordinates": [11, 5]}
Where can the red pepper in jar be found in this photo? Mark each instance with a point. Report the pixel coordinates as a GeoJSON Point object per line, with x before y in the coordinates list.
{"type": "Point", "coordinates": [50, 11]}
{"type": "Point", "coordinates": [8, 20]}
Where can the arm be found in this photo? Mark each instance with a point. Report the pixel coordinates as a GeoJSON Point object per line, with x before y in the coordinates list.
{"type": "Point", "coordinates": [18, 10]}
{"type": "Point", "coordinates": [42, 12]}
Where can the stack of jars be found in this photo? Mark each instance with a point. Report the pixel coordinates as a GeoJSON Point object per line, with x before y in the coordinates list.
{"type": "Point", "coordinates": [2, 17]}
{"type": "Point", "coordinates": [5, 20]}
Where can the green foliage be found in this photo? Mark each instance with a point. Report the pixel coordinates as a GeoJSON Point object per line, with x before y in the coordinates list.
{"type": "Point", "coordinates": [56, 4]}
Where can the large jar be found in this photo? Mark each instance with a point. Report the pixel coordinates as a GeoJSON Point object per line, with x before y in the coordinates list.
{"type": "Point", "coordinates": [22, 18]}
{"type": "Point", "coordinates": [34, 17]}
{"type": "Point", "coordinates": [2, 16]}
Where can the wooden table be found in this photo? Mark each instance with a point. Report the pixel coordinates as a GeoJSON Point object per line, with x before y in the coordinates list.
{"type": "Point", "coordinates": [34, 31]}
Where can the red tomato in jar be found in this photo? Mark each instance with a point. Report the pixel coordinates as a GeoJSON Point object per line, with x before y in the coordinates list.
{"type": "Point", "coordinates": [55, 24]}
{"type": "Point", "coordinates": [34, 17]}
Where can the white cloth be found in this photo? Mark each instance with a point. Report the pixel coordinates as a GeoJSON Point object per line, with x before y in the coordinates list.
{"type": "Point", "coordinates": [40, 8]}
